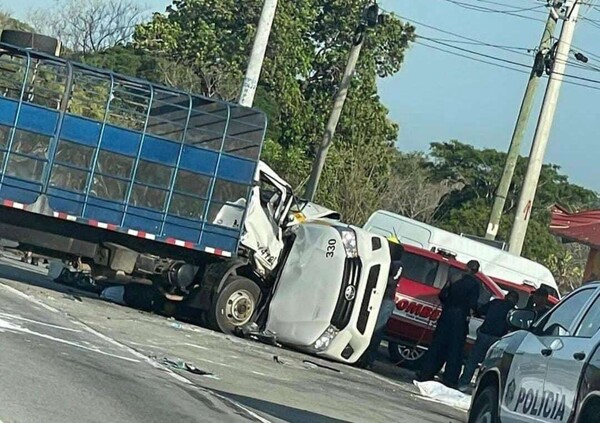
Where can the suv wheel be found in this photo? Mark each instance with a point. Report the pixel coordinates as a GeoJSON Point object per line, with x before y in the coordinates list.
{"type": "Point", "coordinates": [485, 406]}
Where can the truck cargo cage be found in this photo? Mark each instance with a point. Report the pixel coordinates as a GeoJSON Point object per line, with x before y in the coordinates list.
{"type": "Point", "coordinates": [121, 153]}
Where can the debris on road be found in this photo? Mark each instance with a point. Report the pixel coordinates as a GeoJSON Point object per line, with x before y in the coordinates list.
{"type": "Point", "coordinates": [77, 279]}
{"type": "Point", "coordinates": [320, 365]}
{"type": "Point", "coordinates": [177, 364]}
{"type": "Point", "coordinates": [439, 392]}
{"type": "Point", "coordinates": [73, 297]}
{"type": "Point", "coordinates": [252, 331]}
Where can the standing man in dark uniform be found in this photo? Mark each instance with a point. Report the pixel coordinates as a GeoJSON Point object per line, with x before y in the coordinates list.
{"type": "Point", "coordinates": [458, 300]}
{"type": "Point", "coordinates": [494, 327]}
{"type": "Point", "coordinates": [538, 302]}
{"type": "Point", "coordinates": [387, 306]}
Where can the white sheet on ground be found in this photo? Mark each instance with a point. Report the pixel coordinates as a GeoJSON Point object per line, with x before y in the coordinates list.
{"type": "Point", "coordinates": [441, 393]}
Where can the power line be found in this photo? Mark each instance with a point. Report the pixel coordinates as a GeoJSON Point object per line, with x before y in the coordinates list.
{"type": "Point", "coordinates": [488, 56]}
{"type": "Point", "coordinates": [463, 37]}
{"type": "Point", "coordinates": [494, 58]}
{"type": "Point", "coordinates": [535, 8]}
{"type": "Point", "coordinates": [470, 58]}
{"type": "Point", "coordinates": [506, 62]}
{"type": "Point", "coordinates": [516, 50]}
{"type": "Point", "coordinates": [485, 9]}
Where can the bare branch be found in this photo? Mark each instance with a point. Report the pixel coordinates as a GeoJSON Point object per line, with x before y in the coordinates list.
{"type": "Point", "coordinates": [89, 26]}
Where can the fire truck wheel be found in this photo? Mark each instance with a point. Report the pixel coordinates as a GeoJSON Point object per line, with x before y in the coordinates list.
{"type": "Point", "coordinates": [406, 356]}
{"type": "Point", "coordinates": [235, 305]}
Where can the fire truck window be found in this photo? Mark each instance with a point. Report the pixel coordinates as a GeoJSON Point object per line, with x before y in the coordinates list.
{"type": "Point", "coordinates": [419, 269]}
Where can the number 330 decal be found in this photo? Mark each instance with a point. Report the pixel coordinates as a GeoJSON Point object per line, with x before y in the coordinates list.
{"type": "Point", "coordinates": [330, 248]}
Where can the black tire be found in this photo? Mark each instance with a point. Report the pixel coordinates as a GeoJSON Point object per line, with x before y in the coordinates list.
{"type": "Point", "coordinates": [485, 406]}
{"type": "Point", "coordinates": [235, 305]}
{"type": "Point", "coordinates": [404, 360]}
{"type": "Point", "coordinates": [590, 413]}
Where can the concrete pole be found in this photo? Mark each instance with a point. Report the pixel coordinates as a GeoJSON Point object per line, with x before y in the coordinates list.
{"type": "Point", "coordinates": [542, 132]}
{"type": "Point", "coordinates": [334, 117]}
{"type": "Point", "coordinates": [258, 53]}
{"type": "Point", "coordinates": [517, 137]}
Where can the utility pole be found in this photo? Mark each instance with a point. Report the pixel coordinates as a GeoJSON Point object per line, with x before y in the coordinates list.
{"type": "Point", "coordinates": [369, 19]}
{"type": "Point", "coordinates": [514, 150]}
{"type": "Point", "coordinates": [542, 132]}
{"type": "Point", "coordinates": [261, 39]}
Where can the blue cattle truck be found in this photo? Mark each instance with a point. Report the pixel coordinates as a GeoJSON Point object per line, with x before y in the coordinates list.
{"type": "Point", "coordinates": [146, 184]}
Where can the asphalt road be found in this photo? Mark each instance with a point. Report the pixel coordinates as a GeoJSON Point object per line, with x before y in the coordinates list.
{"type": "Point", "coordinates": [69, 357]}
{"type": "Point", "coordinates": [54, 370]}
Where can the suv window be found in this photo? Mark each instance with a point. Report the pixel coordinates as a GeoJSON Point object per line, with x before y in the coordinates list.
{"type": "Point", "coordinates": [591, 322]}
{"type": "Point", "coordinates": [419, 269]}
{"type": "Point", "coordinates": [558, 322]}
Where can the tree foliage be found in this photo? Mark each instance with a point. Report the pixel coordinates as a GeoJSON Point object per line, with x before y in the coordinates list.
{"type": "Point", "coordinates": [305, 58]}
{"type": "Point", "coordinates": [476, 173]}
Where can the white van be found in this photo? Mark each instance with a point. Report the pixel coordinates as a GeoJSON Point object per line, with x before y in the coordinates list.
{"type": "Point", "coordinates": [496, 263]}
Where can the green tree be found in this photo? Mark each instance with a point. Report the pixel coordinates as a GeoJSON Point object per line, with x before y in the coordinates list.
{"type": "Point", "coordinates": [305, 58]}
{"type": "Point", "coordinates": [475, 172]}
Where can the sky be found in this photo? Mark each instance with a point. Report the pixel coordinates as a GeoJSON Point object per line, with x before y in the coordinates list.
{"type": "Point", "coordinates": [438, 96]}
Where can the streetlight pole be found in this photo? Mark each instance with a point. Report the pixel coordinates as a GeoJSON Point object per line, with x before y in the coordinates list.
{"type": "Point", "coordinates": [259, 48]}
{"type": "Point", "coordinates": [370, 18]}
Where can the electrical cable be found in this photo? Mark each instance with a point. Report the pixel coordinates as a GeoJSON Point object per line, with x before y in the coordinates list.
{"type": "Point", "coordinates": [484, 9]}
{"type": "Point", "coordinates": [512, 68]}
{"type": "Point", "coordinates": [464, 37]}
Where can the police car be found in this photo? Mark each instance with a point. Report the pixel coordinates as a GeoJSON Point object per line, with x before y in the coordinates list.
{"type": "Point", "coordinates": [548, 371]}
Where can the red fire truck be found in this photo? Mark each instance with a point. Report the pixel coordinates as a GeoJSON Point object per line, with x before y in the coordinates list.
{"type": "Point", "coordinates": [410, 329]}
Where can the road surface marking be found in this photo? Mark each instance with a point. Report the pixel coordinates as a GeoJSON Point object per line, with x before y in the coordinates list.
{"type": "Point", "coordinates": [15, 317]}
{"type": "Point", "coordinates": [135, 353]}
{"type": "Point", "coordinates": [6, 326]}
{"type": "Point", "coordinates": [28, 297]}
{"type": "Point", "coordinates": [195, 346]}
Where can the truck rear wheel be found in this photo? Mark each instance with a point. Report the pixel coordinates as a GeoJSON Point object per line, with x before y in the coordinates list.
{"type": "Point", "coordinates": [235, 305]}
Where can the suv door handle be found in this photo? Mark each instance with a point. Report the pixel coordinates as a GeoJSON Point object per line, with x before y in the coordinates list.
{"type": "Point", "coordinates": [579, 356]}
{"type": "Point", "coordinates": [546, 352]}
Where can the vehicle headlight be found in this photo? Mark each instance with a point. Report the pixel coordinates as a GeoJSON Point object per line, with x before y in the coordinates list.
{"type": "Point", "coordinates": [349, 242]}
{"type": "Point", "coordinates": [323, 341]}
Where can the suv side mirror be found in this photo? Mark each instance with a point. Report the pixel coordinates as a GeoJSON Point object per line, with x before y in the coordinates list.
{"type": "Point", "coordinates": [521, 319]}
